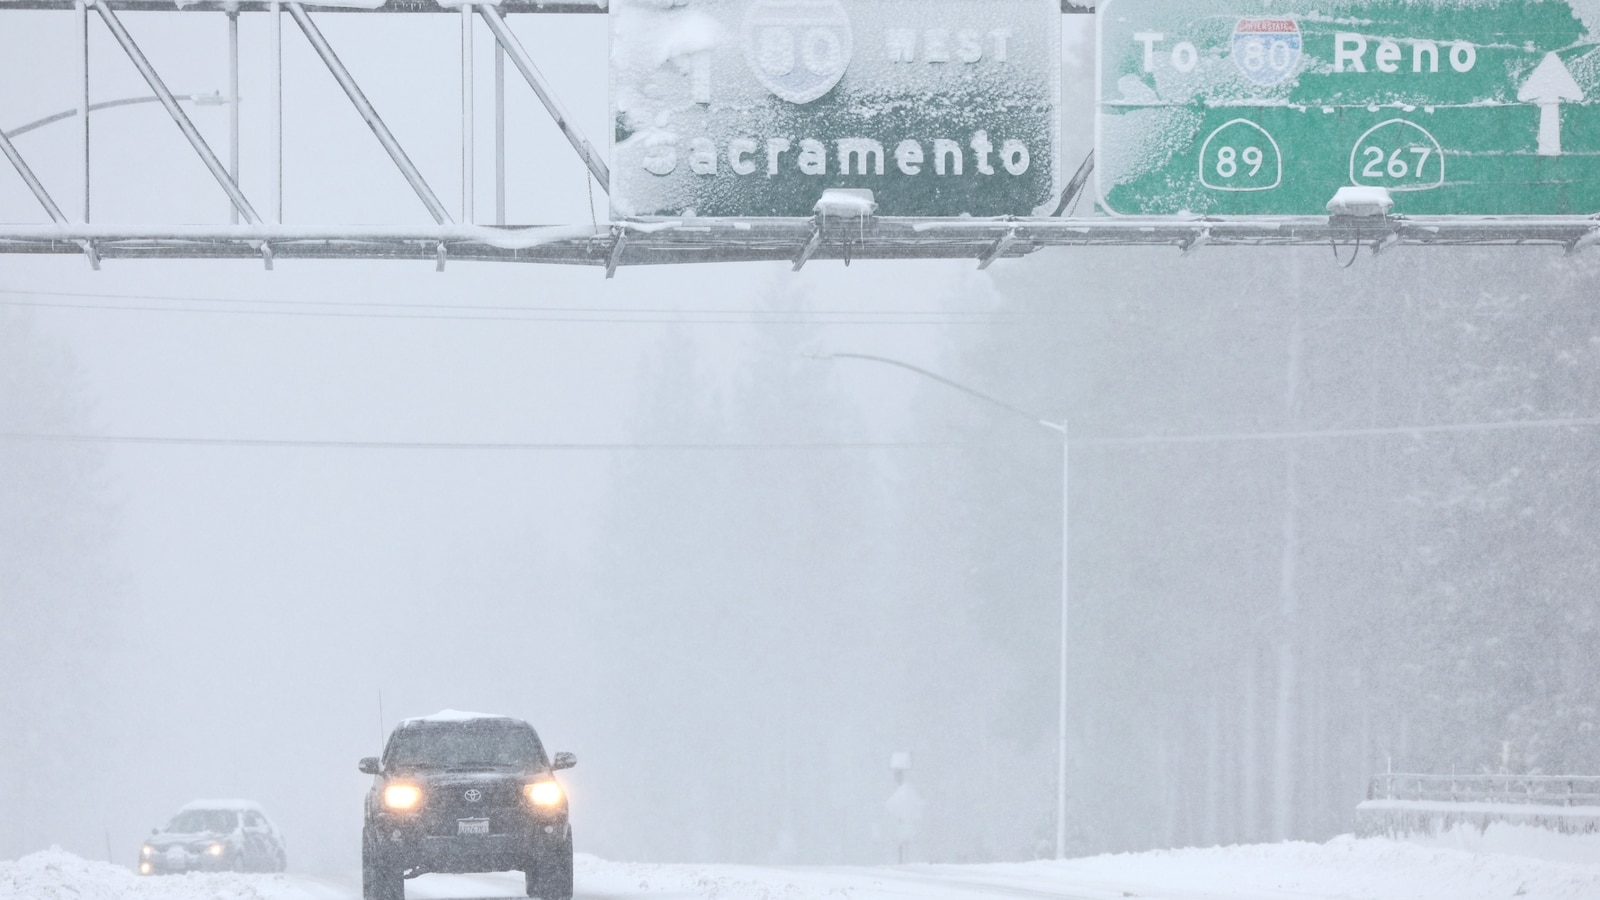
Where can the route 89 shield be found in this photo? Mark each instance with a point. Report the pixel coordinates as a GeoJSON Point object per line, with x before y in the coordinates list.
{"type": "Point", "coordinates": [797, 49]}
{"type": "Point", "coordinates": [1266, 50]}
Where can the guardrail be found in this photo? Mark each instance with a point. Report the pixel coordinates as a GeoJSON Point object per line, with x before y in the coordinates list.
{"type": "Point", "coordinates": [1399, 804]}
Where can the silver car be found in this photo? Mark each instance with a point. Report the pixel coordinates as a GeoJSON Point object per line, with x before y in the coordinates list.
{"type": "Point", "coordinates": [214, 836]}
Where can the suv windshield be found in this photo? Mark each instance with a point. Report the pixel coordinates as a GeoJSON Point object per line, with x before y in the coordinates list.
{"type": "Point", "coordinates": [195, 821]}
{"type": "Point", "coordinates": [466, 745]}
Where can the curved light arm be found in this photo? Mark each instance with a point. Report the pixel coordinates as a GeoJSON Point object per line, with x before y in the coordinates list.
{"type": "Point", "coordinates": [212, 99]}
{"type": "Point", "coordinates": [1058, 427]}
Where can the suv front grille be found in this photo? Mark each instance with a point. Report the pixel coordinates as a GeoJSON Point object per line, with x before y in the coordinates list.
{"type": "Point", "coordinates": [502, 820]}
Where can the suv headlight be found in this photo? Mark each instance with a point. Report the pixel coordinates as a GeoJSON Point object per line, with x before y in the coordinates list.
{"type": "Point", "coordinates": [402, 796]}
{"type": "Point", "coordinates": [216, 849]}
{"type": "Point", "coordinates": [146, 851]}
{"type": "Point", "coordinates": [543, 793]}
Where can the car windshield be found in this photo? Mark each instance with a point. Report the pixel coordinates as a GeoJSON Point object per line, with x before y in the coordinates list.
{"type": "Point", "coordinates": [194, 821]}
{"type": "Point", "coordinates": [466, 745]}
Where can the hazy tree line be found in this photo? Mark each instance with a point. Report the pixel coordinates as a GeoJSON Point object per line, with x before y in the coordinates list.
{"type": "Point", "coordinates": [1284, 578]}
{"type": "Point", "coordinates": [1260, 623]}
{"type": "Point", "coordinates": [56, 612]}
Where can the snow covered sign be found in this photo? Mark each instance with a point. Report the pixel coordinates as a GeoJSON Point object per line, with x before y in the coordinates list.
{"type": "Point", "coordinates": [1239, 107]}
{"type": "Point", "coordinates": [755, 107]}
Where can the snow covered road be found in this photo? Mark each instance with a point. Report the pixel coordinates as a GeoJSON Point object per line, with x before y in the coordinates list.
{"type": "Point", "coordinates": [1456, 868]}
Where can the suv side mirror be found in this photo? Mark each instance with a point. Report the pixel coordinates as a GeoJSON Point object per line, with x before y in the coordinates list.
{"type": "Point", "coordinates": [563, 761]}
{"type": "Point", "coordinates": [369, 765]}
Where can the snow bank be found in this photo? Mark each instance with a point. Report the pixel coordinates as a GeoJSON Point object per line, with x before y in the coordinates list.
{"type": "Point", "coordinates": [1517, 840]}
{"type": "Point", "coordinates": [55, 874]}
{"type": "Point", "coordinates": [1499, 863]}
{"type": "Point", "coordinates": [1344, 868]}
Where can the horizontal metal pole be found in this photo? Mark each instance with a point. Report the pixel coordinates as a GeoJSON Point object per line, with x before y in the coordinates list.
{"type": "Point", "coordinates": [738, 240]}
{"type": "Point", "coordinates": [513, 7]}
{"type": "Point", "coordinates": [570, 7]}
{"type": "Point", "coordinates": [483, 234]}
{"type": "Point", "coordinates": [1039, 230]}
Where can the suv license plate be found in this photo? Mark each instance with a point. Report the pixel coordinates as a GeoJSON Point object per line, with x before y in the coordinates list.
{"type": "Point", "coordinates": [472, 826]}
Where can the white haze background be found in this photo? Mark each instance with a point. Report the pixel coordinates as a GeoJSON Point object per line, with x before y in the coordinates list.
{"type": "Point", "coordinates": [734, 640]}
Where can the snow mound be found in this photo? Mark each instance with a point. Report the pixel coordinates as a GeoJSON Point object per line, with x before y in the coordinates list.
{"type": "Point", "coordinates": [55, 874]}
{"type": "Point", "coordinates": [1345, 868]}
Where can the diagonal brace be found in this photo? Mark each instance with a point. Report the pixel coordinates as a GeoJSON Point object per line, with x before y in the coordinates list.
{"type": "Point", "coordinates": [524, 63]}
{"type": "Point", "coordinates": [32, 180]}
{"type": "Point", "coordinates": [42, 195]}
{"type": "Point", "coordinates": [812, 245]}
{"type": "Point", "coordinates": [369, 114]}
{"type": "Point", "coordinates": [614, 258]}
{"type": "Point", "coordinates": [178, 115]}
{"type": "Point", "coordinates": [999, 248]}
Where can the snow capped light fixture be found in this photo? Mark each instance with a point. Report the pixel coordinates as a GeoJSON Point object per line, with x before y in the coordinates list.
{"type": "Point", "coordinates": [1360, 203]}
{"type": "Point", "coordinates": [846, 203]}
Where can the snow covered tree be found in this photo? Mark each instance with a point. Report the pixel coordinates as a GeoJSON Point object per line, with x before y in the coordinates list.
{"type": "Point", "coordinates": [56, 612]}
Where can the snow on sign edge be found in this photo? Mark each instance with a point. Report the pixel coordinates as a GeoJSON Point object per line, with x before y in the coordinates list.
{"type": "Point", "coordinates": [453, 715]}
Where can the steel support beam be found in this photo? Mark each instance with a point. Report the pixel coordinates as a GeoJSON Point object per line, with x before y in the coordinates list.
{"type": "Point", "coordinates": [31, 180]}
{"type": "Point", "coordinates": [1005, 242]}
{"type": "Point", "coordinates": [275, 139]}
{"type": "Point", "coordinates": [233, 103]}
{"type": "Point", "coordinates": [614, 258]}
{"type": "Point", "coordinates": [137, 57]}
{"type": "Point", "coordinates": [750, 240]}
{"type": "Point", "coordinates": [467, 120]}
{"type": "Point", "coordinates": [42, 195]}
{"type": "Point", "coordinates": [524, 63]}
{"type": "Point", "coordinates": [517, 7]}
{"type": "Point", "coordinates": [499, 134]}
{"type": "Point", "coordinates": [83, 97]}
{"type": "Point", "coordinates": [368, 113]}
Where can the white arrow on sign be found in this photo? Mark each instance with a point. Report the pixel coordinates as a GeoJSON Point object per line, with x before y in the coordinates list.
{"type": "Point", "coordinates": [1549, 85]}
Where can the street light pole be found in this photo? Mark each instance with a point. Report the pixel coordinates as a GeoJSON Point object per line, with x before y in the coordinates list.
{"type": "Point", "coordinates": [1061, 730]}
{"type": "Point", "coordinates": [1059, 428]}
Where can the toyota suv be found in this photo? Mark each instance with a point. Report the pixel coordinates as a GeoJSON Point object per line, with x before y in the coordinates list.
{"type": "Point", "coordinates": [465, 792]}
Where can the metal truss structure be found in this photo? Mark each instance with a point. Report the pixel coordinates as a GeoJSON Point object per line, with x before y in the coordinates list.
{"type": "Point", "coordinates": [261, 233]}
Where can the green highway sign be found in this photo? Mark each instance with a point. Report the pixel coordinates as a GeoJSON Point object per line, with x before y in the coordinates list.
{"type": "Point", "coordinates": [1267, 107]}
{"type": "Point", "coordinates": [755, 107]}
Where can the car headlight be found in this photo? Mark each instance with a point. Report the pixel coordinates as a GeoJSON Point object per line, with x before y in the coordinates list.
{"type": "Point", "coordinates": [216, 849]}
{"type": "Point", "coordinates": [144, 868]}
{"type": "Point", "coordinates": [543, 793]}
{"type": "Point", "coordinates": [402, 796]}
{"type": "Point", "coordinates": [146, 851]}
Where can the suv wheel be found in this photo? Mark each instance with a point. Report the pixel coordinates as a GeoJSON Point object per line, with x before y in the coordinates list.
{"type": "Point", "coordinates": [551, 879]}
{"type": "Point", "coordinates": [380, 879]}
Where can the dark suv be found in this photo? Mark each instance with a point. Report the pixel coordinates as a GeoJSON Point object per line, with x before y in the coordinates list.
{"type": "Point", "coordinates": [465, 792]}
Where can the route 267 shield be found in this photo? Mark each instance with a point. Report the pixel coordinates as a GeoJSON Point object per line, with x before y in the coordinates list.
{"type": "Point", "coordinates": [797, 49]}
{"type": "Point", "coordinates": [1266, 50]}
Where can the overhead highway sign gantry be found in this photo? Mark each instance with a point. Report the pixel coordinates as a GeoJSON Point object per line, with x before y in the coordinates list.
{"type": "Point", "coordinates": [995, 190]}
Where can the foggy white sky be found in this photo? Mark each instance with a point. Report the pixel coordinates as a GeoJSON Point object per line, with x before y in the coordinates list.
{"type": "Point", "coordinates": [269, 595]}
